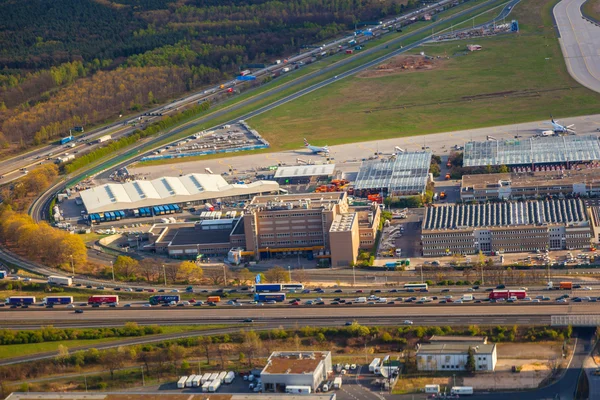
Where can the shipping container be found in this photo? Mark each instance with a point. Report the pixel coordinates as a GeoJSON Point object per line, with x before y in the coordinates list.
{"type": "Point", "coordinates": [181, 382]}
{"type": "Point", "coordinates": [60, 280]}
{"type": "Point", "coordinates": [58, 300]}
{"type": "Point", "coordinates": [566, 285]}
{"type": "Point", "coordinates": [21, 300]}
{"type": "Point", "coordinates": [99, 299]}
{"type": "Point", "coordinates": [161, 299]}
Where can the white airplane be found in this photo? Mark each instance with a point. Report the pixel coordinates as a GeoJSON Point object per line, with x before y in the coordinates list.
{"type": "Point", "coordinates": [558, 128]}
{"type": "Point", "coordinates": [316, 149]}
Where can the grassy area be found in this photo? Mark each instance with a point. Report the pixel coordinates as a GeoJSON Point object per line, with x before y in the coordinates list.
{"type": "Point", "coordinates": [515, 78]}
{"type": "Point", "coordinates": [16, 350]}
{"type": "Point", "coordinates": [591, 8]}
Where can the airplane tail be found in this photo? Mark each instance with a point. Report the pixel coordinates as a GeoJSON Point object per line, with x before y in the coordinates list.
{"type": "Point", "coordinates": [306, 143]}
{"type": "Point", "coordinates": [551, 118]}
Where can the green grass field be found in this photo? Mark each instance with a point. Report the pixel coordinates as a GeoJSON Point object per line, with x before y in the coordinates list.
{"type": "Point", "coordinates": [591, 8]}
{"type": "Point", "coordinates": [515, 78]}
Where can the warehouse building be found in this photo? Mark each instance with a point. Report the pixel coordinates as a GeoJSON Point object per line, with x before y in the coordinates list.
{"type": "Point", "coordinates": [505, 227]}
{"type": "Point", "coordinates": [552, 150]}
{"type": "Point", "coordinates": [301, 174]}
{"type": "Point", "coordinates": [140, 197]}
{"type": "Point", "coordinates": [452, 355]}
{"type": "Point", "coordinates": [530, 185]}
{"type": "Point", "coordinates": [306, 368]}
{"type": "Point", "coordinates": [404, 174]}
{"type": "Point", "coordinates": [310, 224]}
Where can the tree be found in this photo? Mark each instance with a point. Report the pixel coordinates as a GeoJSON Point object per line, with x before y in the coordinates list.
{"type": "Point", "coordinates": [189, 272]}
{"type": "Point", "coordinates": [245, 276]}
{"type": "Point", "coordinates": [470, 365]}
{"type": "Point", "coordinates": [206, 342]}
{"type": "Point", "coordinates": [113, 359]}
{"type": "Point", "coordinates": [150, 269]}
{"type": "Point", "coordinates": [503, 169]}
{"type": "Point", "coordinates": [251, 344]}
{"type": "Point", "coordinates": [277, 275]}
{"type": "Point", "coordinates": [125, 266]}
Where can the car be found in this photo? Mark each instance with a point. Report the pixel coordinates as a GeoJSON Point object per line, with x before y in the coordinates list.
{"type": "Point", "coordinates": [117, 288]}
{"type": "Point", "coordinates": [342, 301]}
{"type": "Point", "coordinates": [576, 286]}
{"type": "Point", "coordinates": [489, 289]}
{"type": "Point", "coordinates": [180, 305]}
{"type": "Point", "coordinates": [527, 299]}
{"type": "Point", "coordinates": [165, 305]}
{"type": "Point", "coordinates": [377, 291]}
{"type": "Point", "coordinates": [353, 367]}
{"type": "Point", "coordinates": [137, 289]}
{"type": "Point", "coordinates": [348, 303]}
{"type": "Point", "coordinates": [16, 278]}
{"type": "Point", "coordinates": [151, 290]}
{"type": "Point", "coordinates": [309, 302]}
{"type": "Point", "coordinates": [359, 291]}
{"type": "Point", "coordinates": [306, 291]}
{"type": "Point", "coordinates": [445, 290]}
{"type": "Point", "coordinates": [335, 77]}
{"type": "Point", "coordinates": [393, 291]}
{"type": "Point", "coordinates": [78, 284]}
{"type": "Point", "coordinates": [335, 303]}
{"type": "Point", "coordinates": [407, 322]}
{"type": "Point", "coordinates": [371, 302]}
{"type": "Point", "coordinates": [587, 288]}
{"type": "Point", "coordinates": [14, 306]}
{"type": "Point", "coordinates": [147, 305]}
{"type": "Point", "coordinates": [338, 291]}
{"type": "Point", "coordinates": [27, 279]}
{"type": "Point", "coordinates": [477, 301]}
{"type": "Point", "coordinates": [127, 305]}
{"type": "Point", "coordinates": [501, 286]}
{"type": "Point", "coordinates": [112, 305]}
{"type": "Point", "coordinates": [219, 291]}
{"type": "Point", "coordinates": [79, 311]}
{"type": "Point", "coordinates": [561, 300]}
{"type": "Point", "coordinates": [204, 291]}
{"type": "Point", "coordinates": [347, 367]}
{"type": "Point", "coordinates": [71, 306]}
{"type": "Point", "coordinates": [49, 305]}
{"type": "Point", "coordinates": [100, 288]}
{"type": "Point", "coordinates": [248, 320]}
{"type": "Point", "coordinates": [174, 290]}
{"type": "Point", "coordinates": [410, 290]}
{"type": "Point", "coordinates": [161, 290]}
{"type": "Point", "coordinates": [89, 287]}
{"type": "Point", "coordinates": [25, 306]}
{"type": "Point", "coordinates": [539, 297]}
{"type": "Point", "coordinates": [274, 302]}
{"type": "Point", "coordinates": [320, 303]}
{"type": "Point", "coordinates": [535, 300]}
{"type": "Point", "coordinates": [391, 302]}
{"type": "Point", "coordinates": [295, 303]}
{"type": "Point", "coordinates": [95, 305]}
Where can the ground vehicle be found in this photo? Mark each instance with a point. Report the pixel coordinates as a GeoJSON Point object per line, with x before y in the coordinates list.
{"type": "Point", "coordinates": [99, 299]}
{"type": "Point", "coordinates": [467, 297]}
{"type": "Point", "coordinates": [103, 139]}
{"type": "Point", "coordinates": [292, 286]}
{"type": "Point", "coordinates": [14, 300]}
{"type": "Point", "coordinates": [60, 280]}
{"type": "Point", "coordinates": [408, 322]}
{"type": "Point", "coordinates": [66, 140]}
{"type": "Point", "coordinates": [79, 311]}
{"type": "Point", "coordinates": [360, 300]}
{"type": "Point", "coordinates": [189, 380]}
{"type": "Point", "coordinates": [58, 300]}
{"type": "Point", "coordinates": [154, 300]}
{"type": "Point", "coordinates": [443, 195]}
{"type": "Point", "coordinates": [181, 382]}
{"type": "Point", "coordinates": [416, 286]}
{"type": "Point", "coordinates": [3, 274]}
{"type": "Point", "coordinates": [374, 364]}
{"type": "Point", "coordinates": [229, 377]}
{"type": "Point", "coordinates": [507, 293]}
{"type": "Point", "coordinates": [447, 177]}
{"type": "Point", "coordinates": [214, 385]}
{"type": "Point", "coordinates": [269, 297]}
{"type": "Point", "coordinates": [461, 390]}
{"type": "Point", "coordinates": [294, 389]}
{"type": "Point", "coordinates": [268, 287]}
{"type": "Point", "coordinates": [432, 389]}
{"type": "Point", "coordinates": [337, 382]}
{"type": "Point", "coordinates": [566, 286]}
{"type": "Point", "coordinates": [213, 299]}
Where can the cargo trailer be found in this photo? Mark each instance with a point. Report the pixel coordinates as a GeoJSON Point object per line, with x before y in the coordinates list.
{"type": "Point", "coordinates": [230, 377]}
{"type": "Point", "coordinates": [181, 382]}
{"type": "Point", "coordinates": [214, 385]}
{"type": "Point", "coordinates": [188, 382]}
{"type": "Point", "coordinates": [58, 300]}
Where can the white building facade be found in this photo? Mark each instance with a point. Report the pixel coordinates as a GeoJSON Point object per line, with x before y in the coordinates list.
{"type": "Point", "coordinates": [453, 356]}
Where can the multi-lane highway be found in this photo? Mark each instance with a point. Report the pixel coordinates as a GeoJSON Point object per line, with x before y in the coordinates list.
{"type": "Point", "coordinates": [580, 43]}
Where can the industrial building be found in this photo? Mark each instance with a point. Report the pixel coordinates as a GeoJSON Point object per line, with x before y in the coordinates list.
{"type": "Point", "coordinates": [404, 174]}
{"type": "Point", "coordinates": [530, 185]}
{"type": "Point", "coordinates": [309, 223]}
{"type": "Point", "coordinates": [306, 368]}
{"type": "Point", "coordinates": [183, 191]}
{"type": "Point", "coordinates": [520, 226]}
{"type": "Point", "coordinates": [163, 395]}
{"type": "Point", "coordinates": [550, 150]}
{"type": "Point", "coordinates": [300, 174]}
{"type": "Point", "coordinates": [452, 354]}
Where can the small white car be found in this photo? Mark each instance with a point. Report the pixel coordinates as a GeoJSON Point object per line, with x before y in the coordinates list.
{"type": "Point", "coordinates": [353, 367]}
{"type": "Point", "coordinates": [408, 322]}
{"type": "Point", "coordinates": [587, 288]}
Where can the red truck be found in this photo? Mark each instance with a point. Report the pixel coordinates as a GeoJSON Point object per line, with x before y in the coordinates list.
{"type": "Point", "coordinates": [96, 299]}
{"type": "Point", "coordinates": [507, 294]}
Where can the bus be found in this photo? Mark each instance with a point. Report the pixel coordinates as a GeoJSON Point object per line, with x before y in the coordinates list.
{"type": "Point", "coordinates": [416, 286]}
{"type": "Point", "coordinates": [292, 286]}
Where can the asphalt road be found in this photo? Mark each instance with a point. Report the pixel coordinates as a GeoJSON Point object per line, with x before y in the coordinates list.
{"type": "Point", "coordinates": [580, 43]}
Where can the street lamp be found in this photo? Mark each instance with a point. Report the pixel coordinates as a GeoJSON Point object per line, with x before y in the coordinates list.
{"type": "Point", "coordinates": [165, 274]}
{"type": "Point", "coordinates": [72, 265]}
{"type": "Point", "coordinates": [112, 270]}
{"type": "Point", "coordinates": [289, 273]}
{"type": "Point", "coordinates": [224, 275]}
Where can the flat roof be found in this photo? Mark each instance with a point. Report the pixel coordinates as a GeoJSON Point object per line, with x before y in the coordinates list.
{"type": "Point", "coordinates": [533, 179]}
{"type": "Point", "coordinates": [191, 236]}
{"type": "Point", "coordinates": [298, 171]}
{"type": "Point", "coordinates": [505, 214]}
{"type": "Point", "coordinates": [455, 339]}
{"type": "Point", "coordinates": [304, 362]}
{"type": "Point", "coordinates": [405, 173]}
{"type": "Point", "coordinates": [535, 150]}
{"type": "Point", "coordinates": [455, 348]}
{"type": "Point", "coordinates": [343, 222]}
{"type": "Point", "coordinates": [167, 190]}
{"type": "Point", "coordinates": [161, 395]}
{"type": "Point", "coordinates": [296, 201]}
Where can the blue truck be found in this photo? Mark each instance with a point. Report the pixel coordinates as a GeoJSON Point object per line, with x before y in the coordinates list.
{"type": "Point", "coordinates": [162, 299]}
{"type": "Point", "coordinates": [3, 274]}
{"type": "Point", "coordinates": [279, 297]}
{"type": "Point", "coordinates": [18, 300]}
{"type": "Point", "coordinates": [58, 300]}
{"type": "Point", "coordinates": [268, 287]}
{"type": "Point", "coordinates": [66, 140]}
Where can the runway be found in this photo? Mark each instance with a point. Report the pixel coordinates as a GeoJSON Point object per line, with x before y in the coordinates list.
{"type": "Point", "coordinates": [579, 42]}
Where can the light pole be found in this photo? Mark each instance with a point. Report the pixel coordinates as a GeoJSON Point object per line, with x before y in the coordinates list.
{"type": "Point", "coordinates": [224, 275]}
{"type": "Point", "coordinates": [165, 274]}
{"type": "Point", "coordinates": [72, 265]}
{"type": "Point", "coordinates": [289, 273]}
{"type": "Point", "coordinates": [454, 379]}
{"type": "Point", "coordinates": [353, 275]}
{"type": "Point", "coordinates": [422, 273]}
{"type": "Point", "coordinates": [143, 380]}
{"type": "Point", "coordinates": [112, 269]}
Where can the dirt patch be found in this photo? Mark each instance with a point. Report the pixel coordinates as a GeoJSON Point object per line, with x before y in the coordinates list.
{"type": "Point", "coordinates": [529, 351]}
{"type": "Point", "coordinates": [411, 385]}
{"type": "Point", "coordinates": [402, 64]}
{"type": "Point", "coordinates": [506, 380]}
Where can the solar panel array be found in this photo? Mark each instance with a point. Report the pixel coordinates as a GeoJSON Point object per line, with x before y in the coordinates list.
{"type": "Point", "coordinates": [455, 216]}
{"type": "Point", "coordinates": [538, 150]}
{"type": "Point", "coordinates": [405, 173]}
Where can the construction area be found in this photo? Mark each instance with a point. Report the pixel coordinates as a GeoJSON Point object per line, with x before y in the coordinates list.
{"type": "Point", "coordinates": [225, 139]}
{"type": "Point", "coordinates": [401, 64]}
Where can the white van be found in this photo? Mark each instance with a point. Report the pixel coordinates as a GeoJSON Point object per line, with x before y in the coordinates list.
{"type": "Point", "coordinates": [360, 300]}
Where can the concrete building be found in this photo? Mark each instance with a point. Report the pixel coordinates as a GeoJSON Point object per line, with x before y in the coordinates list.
{"type": "Point", "coordinates": [452, 354]}
{"type": "Point", "coordinates": [530, 185]}
{"type": "Point", "coordinates": [303, 173]}
{"type": "Point", "coordinates": [521, 226]}
{"type": "Point", "coordinates": [307, 368]}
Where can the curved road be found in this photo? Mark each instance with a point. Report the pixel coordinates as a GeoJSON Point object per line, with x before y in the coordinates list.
{"type": "Point", "coordinates": [580, 43]}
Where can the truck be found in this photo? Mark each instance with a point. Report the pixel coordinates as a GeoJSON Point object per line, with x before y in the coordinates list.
{"type": "Point", "coordinates": [222, 375]}
{"type": "Point", "coordinates": [360, 300]}
{"type": "Point", "coordinates": [205, 386]}
{"type": "Point", "coordinates": [205, 378]}
{"type": "Point", "coordinates": [297, 389]}
{"type": "Point", "coordinates": [213, 299]}
{"type": "Point", "coordinates": [60, 280]}
{"type": "Point", "coordinates": [467, 297]}
{"type": "Point", "coordinates": [461, 390]}
{"type": "Point", "coordinates": [374, 364]}
{"type": "Point", "coordinates": [230, 377]}
{"type": "Point", "coordinates": [268, 287]}
{"type": "Point", "coordinates": [214, 385]}
{"type": "Point", "coordinates": [337, 382]}
{"type": "Point", "coordinates": [100, 299]}
{"type": "Point", "coordinates": [435, 389]}
{"type": "Point", "coordinates": [162, 299]}
{"type": "Point", "coordinates": [66, 140]}
{"type": "Point", "coordinates": [3, 274]}
{"type": "Point", "coordinates": [189, 380]}
{"type": "Point", "coordinates": [103, 139]}
{"type": "Point", "coordinates": [507, 294]}
{"type": "Point", "coordinates": [279, 297]}
{"type": "Point", "coordinates": [566, 286]}
{"type": "Point", "coordinates": [65, 158]}
{"type": "Point", "coordinates": [58, 300]}
{"type": "Point", "coordinates": [196, 381]}
{"type": "Point", "coordinates": [181, 382]}
{"type": "Point", "coordinates": [18, 300]}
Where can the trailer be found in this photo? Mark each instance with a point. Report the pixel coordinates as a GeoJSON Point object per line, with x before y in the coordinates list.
{"type": "Point", "coordinates": [188, 382]}
{"type": "Point", "coordinates": [230, 377]}
{"type": "Point", "coordinates": [164, 299]}
{"type": "Point", "coordinates": [222, 375]}
{"type": "Point", "coordinates": [374, 364]}
{"type": "Point", "coordinates": [205, 378]}
{"type": "Point", "coordinates": [205, 386]}
{"type": "Point", "coordinates": [507, 294]}
{"type": "Point", "coordinates": [268, 287]}
{"type": "Point", "coordinates": [461, 390]}
{"type": "Point", "coordinates": [66, 140]}
{"type": "Point", "coordinates": [279, 297]}
{"type": "Point", "coordinates": [18, 300]}
{"type": "Point", "coordinates": [214, 385]}
{"type": "Point", "coordinates": [58, 300]}
{"type": "Point", "coordinates": [181, 382]}
{"type": "Point", "coordinates": [196, 381]}
{"type": "Point", "coordinates": [296, 389]}
{"type": "Point", "coordinates": [337, 382]}
{"type": "Point", "coordinates": [60, 280]}
{"type": "Point", "coordinates": [100, 299]}
{"type": "Point", "coordinates": [213, 376]}
{"type": "Point", "coordinates": [103, 139]}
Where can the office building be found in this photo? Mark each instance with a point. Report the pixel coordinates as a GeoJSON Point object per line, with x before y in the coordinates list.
{"type": "Point", "coordinates": [306, 368]}
{"type": "Point", "coordinates": [520, 226]}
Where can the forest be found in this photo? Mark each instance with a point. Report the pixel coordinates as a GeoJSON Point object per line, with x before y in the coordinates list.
{"type": "Point", "coordinates": [81, 62]}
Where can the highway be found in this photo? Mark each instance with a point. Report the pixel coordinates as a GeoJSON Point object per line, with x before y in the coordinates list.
{"type": "Point", "coordinates": [580, 43]}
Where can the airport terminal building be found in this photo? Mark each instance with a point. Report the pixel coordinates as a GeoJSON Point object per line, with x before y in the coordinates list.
{"type": "Point", "coordinates": [519, 226]}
